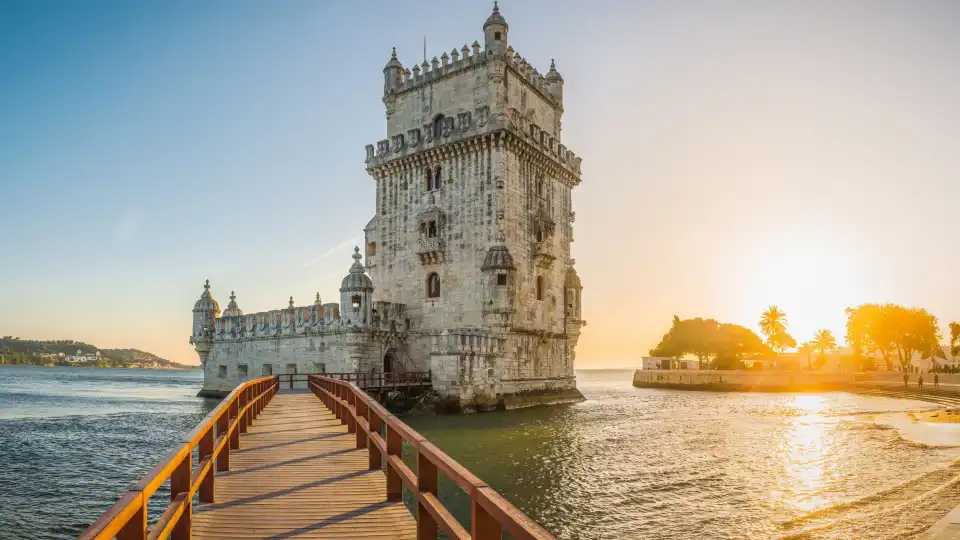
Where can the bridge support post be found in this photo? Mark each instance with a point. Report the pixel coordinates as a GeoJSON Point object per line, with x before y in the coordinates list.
{"type": "Point", "coordinates": [223, 458]}
{"type": "Point", "coordinates": [234, 411]}
{"type": "Point", "coordinates": [375, 457]}
{"type": "Point", "coordinates": [136, 528]}
{"type": "Point", "coordinates": [361, 413]}
{"type": "Point", "coordinates": [394, 448]}
{"type": "Point", "coordinates": [351, 418]}
{"type": "Point", "coordinates": [426, 483]}
{"type": "Point", "coordinates": [242, 398]}
{"type": "Point", "coordinates": [482, 524]}
{"type": "Point", "coordinates": [205, 451]}
{"type": "Point", "coordinates": [180, 482]}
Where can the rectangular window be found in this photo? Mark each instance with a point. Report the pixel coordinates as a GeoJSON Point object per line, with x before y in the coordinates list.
{"type": "Point", "coordinates": [222, 372]}
{"type": "Point", "coordinates": [319, 367]}
{"type": "Point", "coordinates": [501, 279]}
{"type": "Point", "coordinates": [267, 370]}
{"type": "Point", "coordinates": [242, 371]}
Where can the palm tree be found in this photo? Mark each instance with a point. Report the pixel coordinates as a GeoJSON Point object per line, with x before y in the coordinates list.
{"type": "Point", "coordinates": [773, 322]}
{"type": "Point", "coordinates": [807, 348]}
{"type": "Point", "coordinates": [823, 341]}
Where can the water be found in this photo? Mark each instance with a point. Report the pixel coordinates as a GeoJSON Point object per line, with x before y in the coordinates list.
{"type": "Point", "coordinates": [627, 463]}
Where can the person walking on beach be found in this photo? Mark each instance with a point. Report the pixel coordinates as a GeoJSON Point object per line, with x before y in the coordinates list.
{"type": "Point", "coordinates": [936, 380]}
{"type": "Point", "coordinates": [905, 379]}
{"type": "Point", "coordinates": [920, 381]}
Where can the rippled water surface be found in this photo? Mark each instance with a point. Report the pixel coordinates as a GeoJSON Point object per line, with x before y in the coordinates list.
{"type": "Point", "coordinates": [627, 463]}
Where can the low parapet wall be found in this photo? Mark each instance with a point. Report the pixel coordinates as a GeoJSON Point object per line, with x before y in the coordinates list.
{"type": "Point", "coordinates": [745, 381]}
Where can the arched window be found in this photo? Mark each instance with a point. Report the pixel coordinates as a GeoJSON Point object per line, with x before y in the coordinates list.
{"type": "Point", "coordinates": [429, 180]}
{"type": "Point", "coordinates": [539, 234]}
{"type": "Point", "coordinates": [501, 279]}
{"type": "Point", "coordinates": [437, 183]}
{"type": "Point", "coordinates": [438, 126]}
{"type": "Point", "coordinates": [423, 229]}
{"type": "Point", "coordinates": [539, 186]}
{"type": "Point", "coordinates": [433, 285]}
{"type": "Point", "coordinates": [355, 301]}
{"type": "Point", "coordinates": [432, 229]}
{"type": "Point", "coordinates": [539, 287]}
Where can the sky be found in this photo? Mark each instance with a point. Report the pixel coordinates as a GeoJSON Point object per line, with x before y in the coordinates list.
{"type": "Point", "coordinates": [735, 155]}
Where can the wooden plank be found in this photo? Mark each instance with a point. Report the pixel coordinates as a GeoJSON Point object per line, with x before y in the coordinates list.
{"type": "Point", "coordinates": [299, 474]}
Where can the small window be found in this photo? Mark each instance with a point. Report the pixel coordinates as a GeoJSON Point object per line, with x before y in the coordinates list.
{"type": "Point", "coordinates": [222, 372]}
{"type": "Point", "coordinates": [539, 187]}
{"type": "Point", "coordinates": [438, 126]}
{"type": "Point", "coordinates": [242, 371]}
{"type": "Point", "coordinates": [437, 182]}
{"type": "Point", "coordinates": [539, 287]}
{"type": "Point", "coordinates": [539, 234]}
{"type": "Point", "coordinates": [371, 249]}
{"type": "Point", "coordinates": [432, 229]}
{"type": "Point", "coordinates": [429, 180]}
{"type": "Point", "coordinates": [267, 370]}
{"type": "Point", "coordinates": [355, 302]}
{"type": "Point", "coordinates": [501, 279]}
{"type": "Point", "coordinates": [433, 286]}
{"type": "Point", "coordinates": [319, 367]}
{"type": "Point", "coordinates": [496, 35]}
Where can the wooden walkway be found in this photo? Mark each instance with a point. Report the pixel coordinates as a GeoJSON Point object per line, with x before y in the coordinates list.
{"type": "Point", "coordinates": [298, 474]}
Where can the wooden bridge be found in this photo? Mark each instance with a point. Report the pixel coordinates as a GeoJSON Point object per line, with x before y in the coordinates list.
{"type": "Point", "coordinates": [321, 464]}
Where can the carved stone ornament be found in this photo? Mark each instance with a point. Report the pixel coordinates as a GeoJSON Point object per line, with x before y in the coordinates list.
{"type": "Point", "coordinates": [483, 114]}
{"type": "Point", "coordinates": [576, 163]}
{"type": "Point", "coordinates": [447, 126]}
{"type": "Point", "coordinates": [369, 153]}
{"type": "Point", "coordinates": [463, 119]}
{"type": "Point", "coordinates": [562, 152]}
{"type": "Point", "coordinates": [397, 143]}
{"type": "Point", "coordinates": [382, 148]}
{"type": "Point", "coordinates": [414, 136]}
{"type": "Point", "coordinates": [428, 132]}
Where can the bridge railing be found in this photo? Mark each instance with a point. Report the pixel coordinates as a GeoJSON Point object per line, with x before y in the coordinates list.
{"type": "Point", "coordinates": [382, 434]}
{"type": "Point", "coordinates": [396, 379]}
{"type": "Point", "coordinates": [214, 437]}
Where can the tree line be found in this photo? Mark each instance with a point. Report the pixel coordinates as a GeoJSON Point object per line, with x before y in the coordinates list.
{"type": "Point", "coordinates": [893, 332]}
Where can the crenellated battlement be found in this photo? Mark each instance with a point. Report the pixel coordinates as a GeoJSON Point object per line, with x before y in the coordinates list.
{"type": "Point", "coordinates": [470, 58]}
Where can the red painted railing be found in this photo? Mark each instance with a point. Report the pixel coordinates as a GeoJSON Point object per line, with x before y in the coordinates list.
{"type": "Point", "coordinates": [127, 518]}
{"type": "Point", "coordinates": [382, 434]}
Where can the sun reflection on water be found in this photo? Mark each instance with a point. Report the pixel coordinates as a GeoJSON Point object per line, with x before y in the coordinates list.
{"type": "Point", "coordinates": [806, 452]}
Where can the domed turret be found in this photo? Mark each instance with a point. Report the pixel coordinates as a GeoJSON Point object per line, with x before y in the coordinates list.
{"type": "Point", "coordinates": [498, 258]}
{"type": "Point", "coordinates": [392, 72]}
{"type": "Point", "coordinates": [206, 301]}
{"type": "Point", "coordinates": [555, 81]}
{"type": "Point", "coordinates": [356, 294]}
{"type": "Point", "coordinates": [232, 309]}
{"type": "Point", "coordinates": [495, 32]}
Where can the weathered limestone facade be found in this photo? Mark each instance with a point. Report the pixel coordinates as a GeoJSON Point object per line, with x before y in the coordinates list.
{"type": "Point", "coordinates": [470, 274]}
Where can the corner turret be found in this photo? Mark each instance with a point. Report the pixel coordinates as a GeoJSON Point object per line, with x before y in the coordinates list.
{"type": "Point", "coordinates": [392, 73]}
{"type": "Point", "coordinates": [495, 33]}
{"type": "Point", "coordinates": [356, 295]}
{"type": "Point", "coordinates": [555, 82]}
{"type": "Point", "coordinates": [205, 313]}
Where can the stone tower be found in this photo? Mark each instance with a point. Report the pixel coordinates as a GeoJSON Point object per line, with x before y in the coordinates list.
{"type": "Point", "coordinates": [474, 218]}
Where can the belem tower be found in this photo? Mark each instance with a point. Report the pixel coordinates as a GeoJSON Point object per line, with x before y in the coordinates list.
{"type": "Point", "coordinates": [466, 270]}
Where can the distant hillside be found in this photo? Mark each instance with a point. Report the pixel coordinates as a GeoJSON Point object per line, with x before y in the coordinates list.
{"type": "Point", "coordinates": [67, 352]}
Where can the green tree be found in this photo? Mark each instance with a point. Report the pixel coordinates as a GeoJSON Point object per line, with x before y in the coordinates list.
{"type": "Point", "coordinates": [823, 341]}
{"type": "Point", "coordinates": [781, 342]}
{"type": "Point", "coordinates": [773, 321]}
{"type": "Point", "coordinates": [735, 343]}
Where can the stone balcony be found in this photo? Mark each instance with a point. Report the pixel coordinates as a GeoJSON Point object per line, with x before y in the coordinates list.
{"type": "Point", "coordinates": [430, 250]}
{"type": "Point", "coordinates": [543, 255]}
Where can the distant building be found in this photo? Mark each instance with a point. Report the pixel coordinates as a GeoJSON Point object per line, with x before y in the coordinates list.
{"type": "Point", "coordinates": [664, 362]}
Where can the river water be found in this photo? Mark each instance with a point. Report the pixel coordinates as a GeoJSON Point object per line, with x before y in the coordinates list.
{"type": "Point", "coordinates": [627, 463]}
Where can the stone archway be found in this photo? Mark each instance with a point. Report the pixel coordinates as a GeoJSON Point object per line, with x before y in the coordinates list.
{"type": "Point", "coordinates": [391, 364]}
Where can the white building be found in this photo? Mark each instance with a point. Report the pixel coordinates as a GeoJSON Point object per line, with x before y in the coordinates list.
{"type": "Point", "coordinates": [470, 274]}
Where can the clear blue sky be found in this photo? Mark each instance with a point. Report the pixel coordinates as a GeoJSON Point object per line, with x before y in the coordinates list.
{"type": "Point", "coordinates": [736, 154]}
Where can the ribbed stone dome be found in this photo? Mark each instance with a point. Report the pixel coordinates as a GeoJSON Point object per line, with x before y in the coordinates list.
{"type": "Point", "coordinates": [206, 301]}
{"type": "Point", "coordinates": [357, 279]}
{"type": "Point", "coordinates": [498, 257]}
{"type": "Point", "coordinates": [496, 18]}
{"type": "Point", "coordinates": [233, 310]}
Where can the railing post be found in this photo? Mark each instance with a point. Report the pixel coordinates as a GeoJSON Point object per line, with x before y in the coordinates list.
{"type": "Point", "coordinates": [482, 524]}
{"type": "Point", "coordinates": [426, 483]}
{"type": "Point", "coordinates": [376, 459]}
{"type": "Point", "coordinates": [223, 458]}
{"type": "Point", "coordinates": [136, 528]}
{"type": "Point", "coordinates": [361, 406]}
{"type": "Point", "coordinates": [206, 451]}
{"type": "Point", "coordinates": [242, 399]}
{"type": "Point", "coordinates": [180, 483]}
{"type": "Point", "coordinates": [394, 448]}
{"type": "Point", "coordinates": [234, 413]}
{"type": "Point", "coordinates": [351, 417]}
